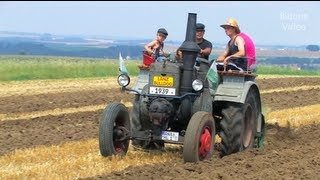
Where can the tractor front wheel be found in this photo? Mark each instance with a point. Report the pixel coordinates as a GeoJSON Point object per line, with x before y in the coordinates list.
{"type": "Point", "coordinates": [200, 137]}
{"type": "Point", "coordinates": [114, 130]}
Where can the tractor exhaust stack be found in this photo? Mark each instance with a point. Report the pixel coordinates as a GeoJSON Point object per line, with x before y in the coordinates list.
{"type": "Point", "coordinates": [190, 50]}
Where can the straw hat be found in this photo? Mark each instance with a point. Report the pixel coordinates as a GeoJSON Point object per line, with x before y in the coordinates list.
{"type": "Point", "coordinates": [233, 23]}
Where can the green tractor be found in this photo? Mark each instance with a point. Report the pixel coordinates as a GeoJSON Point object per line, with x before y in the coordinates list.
{"type": "Point", "coordinates": [176, 103]}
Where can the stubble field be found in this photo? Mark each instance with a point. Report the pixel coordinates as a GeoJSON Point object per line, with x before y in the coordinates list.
{"type": "Point", "coordinates": [49, 128]}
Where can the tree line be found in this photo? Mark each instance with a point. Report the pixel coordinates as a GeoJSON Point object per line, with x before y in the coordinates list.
{"type": "Point", "coordinates": [32, 48]}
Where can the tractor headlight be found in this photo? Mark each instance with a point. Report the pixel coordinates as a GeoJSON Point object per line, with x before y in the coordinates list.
{"type": "Point", "coordinates": [123, 80]}
{"type": "Point", "coordinates": [197, 85]}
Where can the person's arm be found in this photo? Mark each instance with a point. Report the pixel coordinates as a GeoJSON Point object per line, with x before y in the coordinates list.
{"type": "Point", "coordinates": [223, 55]}
{"type": "Point", "coordinates": [148, 47]}
{"type": "Point", "coordinates": [206, 51]}
{"type": "Point", "coordinates": [178, 55]}
{"type": "Point", "coordinates": [240, 44]}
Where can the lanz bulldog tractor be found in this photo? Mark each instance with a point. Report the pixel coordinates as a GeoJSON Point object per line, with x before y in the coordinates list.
{"type": "Point", "coordinates": [174, 104]}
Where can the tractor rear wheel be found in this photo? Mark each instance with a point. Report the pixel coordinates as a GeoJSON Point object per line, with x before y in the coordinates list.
{"type": "Point", "coordinates": [200, 137]}
{"type": "Point", "coordinates": [114, 130]}
{"type": "Point", "coordinates": [237, 128]}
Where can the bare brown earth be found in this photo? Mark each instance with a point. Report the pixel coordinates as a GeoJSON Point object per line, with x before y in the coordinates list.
{"type": "Point", "coordinates": [273, 83]}
{"type": "Point", "coordinates": [288, 153]}
{"type": "Point", "coordinates": [39, 102]}
{"type": "Point", "coordinates": [291, 99]}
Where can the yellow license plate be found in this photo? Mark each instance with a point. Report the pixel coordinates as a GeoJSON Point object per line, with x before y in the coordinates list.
{"type": "Point", "coordinates": [163, 81]}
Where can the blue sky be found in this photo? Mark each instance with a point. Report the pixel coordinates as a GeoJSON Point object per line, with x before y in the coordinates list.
{"type": "Point", "coordinates": [269, 22]}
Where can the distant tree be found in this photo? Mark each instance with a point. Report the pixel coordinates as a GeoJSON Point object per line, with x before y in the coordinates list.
{"type": "Point", "coordinates": [312, 47]}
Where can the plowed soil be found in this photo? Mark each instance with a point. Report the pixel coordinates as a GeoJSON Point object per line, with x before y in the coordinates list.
{"type": "Point", "coordinates": [287, 154]}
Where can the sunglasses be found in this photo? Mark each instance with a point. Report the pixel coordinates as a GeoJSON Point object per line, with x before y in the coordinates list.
{"type": "Point", "coordinates": [228, 27]}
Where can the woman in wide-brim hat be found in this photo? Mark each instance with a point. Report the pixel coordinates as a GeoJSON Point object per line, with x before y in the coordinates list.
{"type": "Point", "coordinates": [235, 47]}
{"type": "Point", "coordinates": [231, 23]}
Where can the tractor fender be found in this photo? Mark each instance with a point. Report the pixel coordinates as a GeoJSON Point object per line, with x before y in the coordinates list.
{"type": "Point", "coordinates": [250, 85]}
{"type": "Point", "coordinates": [238, 92]}
{"type": "Point", "coordinates": [234, 92]}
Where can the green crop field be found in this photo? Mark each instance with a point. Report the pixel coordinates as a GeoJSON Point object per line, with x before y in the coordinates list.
{"type": "Point", "coordinates": [16, 68]}
{"type": "Point", "coordinates": [275, 70]}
